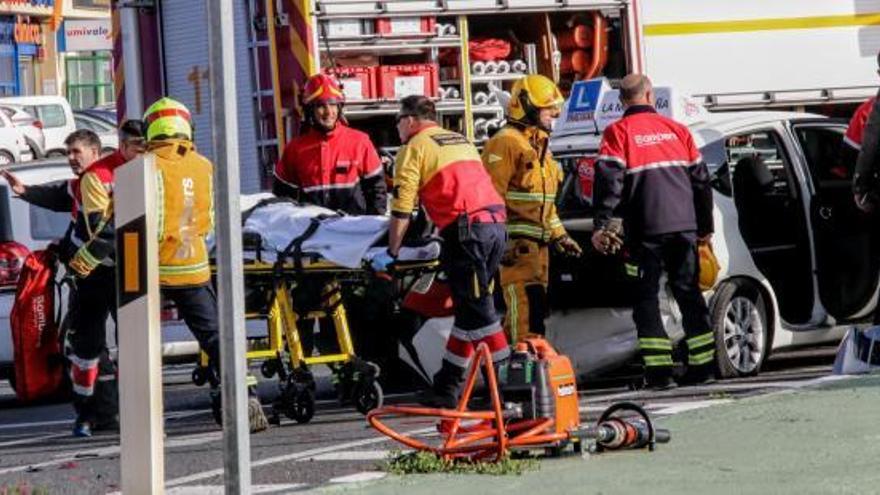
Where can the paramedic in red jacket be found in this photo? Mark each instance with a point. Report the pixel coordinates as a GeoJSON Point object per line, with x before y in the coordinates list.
{"type": "Point", "coordinates": [649, 168]}
{"type": "Point", "coordinates": [330, 164]}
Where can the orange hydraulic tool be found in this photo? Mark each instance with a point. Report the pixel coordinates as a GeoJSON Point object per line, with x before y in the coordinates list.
{"type": "Point", "coordinates": [540, 411]}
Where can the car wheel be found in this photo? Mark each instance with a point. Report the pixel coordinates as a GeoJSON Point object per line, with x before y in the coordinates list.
{"type": "Point", "coordinates": [739, 317]}
{"type": "Point", "coordinates": [6, 158]}
{"type": "Point", "coordinates": [55, 154]}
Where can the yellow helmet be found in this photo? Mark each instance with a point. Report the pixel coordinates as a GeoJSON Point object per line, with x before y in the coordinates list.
{"type": "Point", "coordinates": [531, 93]}
{"type": "Point", "coordinates": [168, 119]}
{"type": "Point", "coordinates": [709, 266]}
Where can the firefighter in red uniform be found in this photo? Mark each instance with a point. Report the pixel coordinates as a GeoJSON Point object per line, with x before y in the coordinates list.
{"type": "Point", "coordinates": [443, 170]}
{"type": "Point", "coordinates": [88, 250]}
{"type": "Point", "coordinates": [650, 167]}
{"type": "Point", "coordinates": [331, 164]}
{"type": "Point", "coordinates": [334, 166]}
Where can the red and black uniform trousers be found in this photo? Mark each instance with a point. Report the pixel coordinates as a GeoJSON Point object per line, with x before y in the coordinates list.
{"type": "Point", "coordinates": [472, 249]}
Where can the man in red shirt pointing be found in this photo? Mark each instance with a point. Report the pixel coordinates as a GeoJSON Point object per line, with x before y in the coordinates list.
{"type": "Point", "coordinates": [331, 164]}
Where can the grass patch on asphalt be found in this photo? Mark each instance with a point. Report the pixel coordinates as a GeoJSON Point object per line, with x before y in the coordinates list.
{"type": "Point", "coordinates": [427, 463]}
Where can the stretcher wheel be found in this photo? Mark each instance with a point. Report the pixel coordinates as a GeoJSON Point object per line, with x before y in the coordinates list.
{"type": "Point", "coordinates": [303, 409]}
{"type": "Point", "coordinates": [200, 376]}
{"type": "Point", "coordinates": [269, 368]}
{"type": "Point", "coordinates": [368, 396]}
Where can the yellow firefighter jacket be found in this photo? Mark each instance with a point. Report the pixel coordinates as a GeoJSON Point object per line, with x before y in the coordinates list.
{"type": "Point", "coordinates": [186, 212]}
{"type": "Point", "coordinates": [527, 183]}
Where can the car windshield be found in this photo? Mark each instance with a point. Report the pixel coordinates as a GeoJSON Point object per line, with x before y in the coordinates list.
{"type": "Point", "coordinates": [47, 225]}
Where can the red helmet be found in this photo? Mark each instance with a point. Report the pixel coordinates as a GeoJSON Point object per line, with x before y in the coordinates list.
{"type": "Point", "coordinates": [322, 88]}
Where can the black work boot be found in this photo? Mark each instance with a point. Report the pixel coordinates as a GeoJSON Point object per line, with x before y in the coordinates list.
{"type": "Point", "coordinates": [444, 392]}
{"type": "Point", "coordinates": [703, 374]}
{"type": "Point", "coordinates": [659, 381]}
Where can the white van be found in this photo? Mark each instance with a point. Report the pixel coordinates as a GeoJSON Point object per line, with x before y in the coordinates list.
{"type": "Point", "coordinates": [55, 114]}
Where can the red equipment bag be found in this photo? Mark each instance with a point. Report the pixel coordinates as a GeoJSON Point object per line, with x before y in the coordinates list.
{"type": "Point", "coordinates": [39, 363]}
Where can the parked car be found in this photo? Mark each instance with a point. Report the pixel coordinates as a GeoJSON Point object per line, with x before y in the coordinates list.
{"type": "Point", "coordinates": [24, 228]}
{"type": "Point", "coordinates": [105, 129]}
{"type": "Point", "coordinates": [30, 127]}
{"type": "Point", "coordinates": [13, 147]}
{"type": "Point", "coordinates": [55, 114]}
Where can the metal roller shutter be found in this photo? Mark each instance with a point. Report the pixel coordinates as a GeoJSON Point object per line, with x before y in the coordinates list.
{"type": "Point", "coordinates": [186, 62]}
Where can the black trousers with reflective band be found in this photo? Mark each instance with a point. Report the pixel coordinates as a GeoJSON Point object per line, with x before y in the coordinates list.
{"type": "Point", "coordinates": [676, 254]}
{"type": "Point", "coordinates": [93, 373]}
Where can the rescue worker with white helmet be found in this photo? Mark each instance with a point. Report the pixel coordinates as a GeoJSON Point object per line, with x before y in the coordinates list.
{"type": "Point", "coordinates": [525, 174]}
{"type": "Point", "coordinates": [186, 217]}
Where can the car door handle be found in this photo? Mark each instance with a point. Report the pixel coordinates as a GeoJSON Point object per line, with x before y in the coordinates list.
{"type": "Point", "coordinates": [825, 212]}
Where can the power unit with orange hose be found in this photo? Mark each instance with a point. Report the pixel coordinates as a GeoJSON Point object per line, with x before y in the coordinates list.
{"type": "Point", "coordinates": [539, 410]}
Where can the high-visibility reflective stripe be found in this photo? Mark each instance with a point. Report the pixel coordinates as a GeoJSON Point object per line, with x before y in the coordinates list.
{"type": "Point", "coordinates": [527, 230]}
{"type": "Point", "coordinates": [631, 270]}
{"type": "Point", "coordinates": [701, 358]}
{"type": "Point", "coordinates": [88, 258]}
{"type": "Point", "coordinates": [525, 196]}
{"type": "Point", "coordinates": [665, 360]}
{"type": "Point", "coordinates": [701, 340]}
{"type": "Point", "coordinates": [655, 344]}
{"type": "Point", "coordinates": [183, 269]}
{"type": "Point", "coordinates": [160, 194]}
{"type": "Point", "coordinates": [513, 312]}
{"type": "Point", "coordinates": [555, 222]}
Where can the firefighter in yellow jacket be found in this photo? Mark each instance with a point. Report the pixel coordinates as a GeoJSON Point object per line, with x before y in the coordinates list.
{"type": "Point", "coordinates": [186, 217]}
{"type": "Point", "coordinates": [526, 176]}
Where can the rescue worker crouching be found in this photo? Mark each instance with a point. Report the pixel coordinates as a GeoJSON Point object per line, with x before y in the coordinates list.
{"type": "Point", "coordinates": [524, 173]}
{"type": "Point", "coordinates": [88, 252]}
{"type": "Point", "coordinates": [334, 166]}
{"type": "Point", "coordinates": [649, 166]}
{"type": "Point", "coordinates": [443, 170]}
{"type": "Point", "coordinates": [186, 217]}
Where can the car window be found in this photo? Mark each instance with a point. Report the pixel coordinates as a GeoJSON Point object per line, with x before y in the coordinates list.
{"type": "Point", "coordinates": [50, 115]}
{"type": "Point", "coordinates": [767, 162]}
{"type": "Point", "coordinates": [822, 150]}
{"type": "Point", "coordinates": [47, 225]}
{"type": "Point", "coordinates": [715, 157]}
{"type": "Point", "coordinates": [82, 123]}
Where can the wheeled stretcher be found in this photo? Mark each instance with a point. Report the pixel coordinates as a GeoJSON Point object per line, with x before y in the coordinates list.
{"type": "Point", "coordinates": [275, 279]}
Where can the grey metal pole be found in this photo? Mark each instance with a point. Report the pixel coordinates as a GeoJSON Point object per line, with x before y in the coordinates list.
{"type": "Point", "coordinates": [230, 284]}
{"type": "Point", "coordinates": [131, 54]}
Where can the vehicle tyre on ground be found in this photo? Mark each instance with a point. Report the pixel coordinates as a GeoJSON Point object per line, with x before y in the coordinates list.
{"type": "Point", "coordinates": [739, 317]}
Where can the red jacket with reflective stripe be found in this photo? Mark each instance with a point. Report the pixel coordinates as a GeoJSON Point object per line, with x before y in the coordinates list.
{"type": "Point", "coordinates": [856, 129]}
{"type": "Point", "coordinates": [650, 166]}
{"type": "Point", "coordinates": [339, 170]}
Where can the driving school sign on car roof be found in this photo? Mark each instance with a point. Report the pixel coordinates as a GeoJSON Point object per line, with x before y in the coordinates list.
{"type": "Point", "coordinates": [592, 106]}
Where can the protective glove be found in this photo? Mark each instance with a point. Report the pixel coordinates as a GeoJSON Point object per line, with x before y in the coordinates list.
{"type": "Point", "coordinates": [567, 246]}
{"type": "Point", "coordinates": [382, 261]}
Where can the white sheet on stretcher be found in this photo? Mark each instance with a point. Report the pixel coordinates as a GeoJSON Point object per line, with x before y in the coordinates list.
{"type": "Point", "coordinates": [342, 240]}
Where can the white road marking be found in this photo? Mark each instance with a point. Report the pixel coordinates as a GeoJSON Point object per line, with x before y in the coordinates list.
{"type": "Point", "coordinates": [25, 441]}
{"type": "Point", "coordinates": [291, 457]}
{"type": "Point", "coordinates": [359, 477]}
{"type": "Point", "coordinates": [350, 455]}
{"type": "Point", "coordinates": [173, 416]}
{"type": "Point", "coordinates": [687, 406]}
{"type": "Point", "coordinates": [220, 490]}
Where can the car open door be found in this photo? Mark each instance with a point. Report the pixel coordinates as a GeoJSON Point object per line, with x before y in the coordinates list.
{"type": "Point", "coordinates": [845, 238]}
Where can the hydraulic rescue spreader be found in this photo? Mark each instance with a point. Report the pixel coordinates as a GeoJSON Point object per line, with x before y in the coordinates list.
{"type": "Point", "coordinates": [540, 410]}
